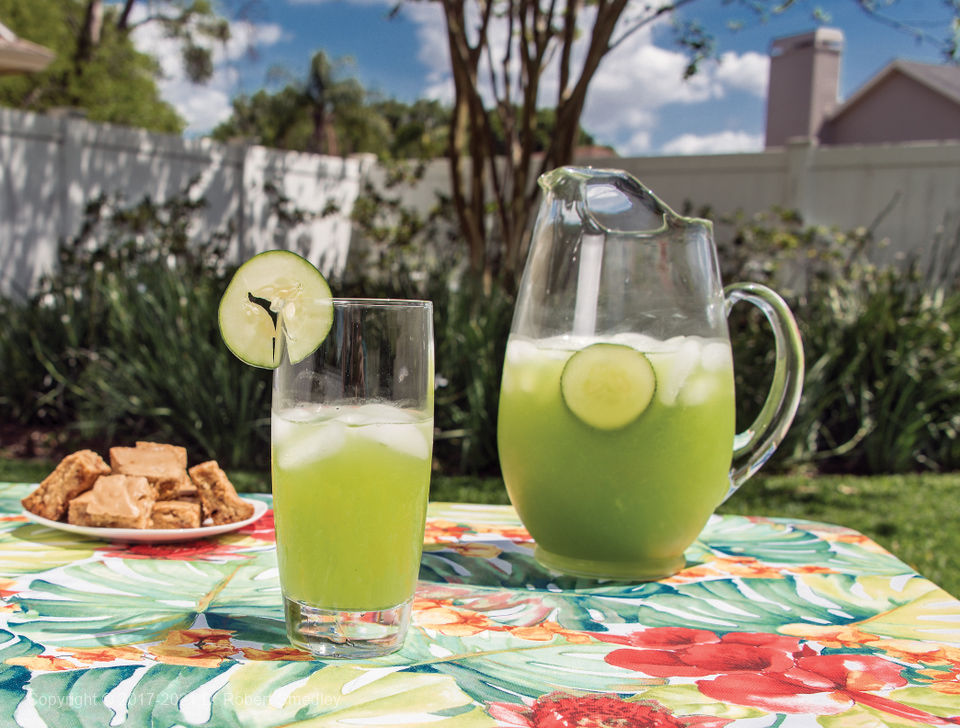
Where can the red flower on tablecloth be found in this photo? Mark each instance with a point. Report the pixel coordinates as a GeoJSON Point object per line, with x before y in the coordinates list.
{"type": "Point", "coordinates": [438, 531]}
{"type": "Point", "coordinates": [263, 529]}
{"type": "Point", "coordinates": [475, 549]}
{"type": "Point", "coordinates": [820, 684]}
{"type": "Point", "coordinates": [777, 673]}
{"type": "Point", "coordinates": [444, 532]}
{"type": "Point", "coordinates": [561, 710]}
{"type": "Point", "coordinates": [660, 638]}
{"type": "Point", "coordinates": [517, 534]}
{"type": "Point", "coordinates": [705, 654]}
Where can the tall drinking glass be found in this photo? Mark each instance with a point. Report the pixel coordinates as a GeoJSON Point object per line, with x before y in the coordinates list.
{"type": "Point", "coordinates": [352, 437]}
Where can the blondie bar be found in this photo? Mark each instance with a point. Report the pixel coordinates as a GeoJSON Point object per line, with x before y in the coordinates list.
{"type": "Point", "coordinates": [75, 474]}
{"type": "Point", "coordinates": [217, 494]}
{"type": "Point", "coordinates": [164, 466]}
{"type": "Point", "coordinates": [115, 501]}
{"type": "Point", "coordinates": [175, 514]}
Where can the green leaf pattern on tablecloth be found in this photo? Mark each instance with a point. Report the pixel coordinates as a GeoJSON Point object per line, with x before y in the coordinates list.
{"type": "Point", "coordinates": [103, 634]}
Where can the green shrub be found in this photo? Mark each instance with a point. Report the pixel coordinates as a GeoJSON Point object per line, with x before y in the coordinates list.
{"type": "Point", "coordinates": [167, 374]}
{"type": "Point", "coordinates": [881, 390]}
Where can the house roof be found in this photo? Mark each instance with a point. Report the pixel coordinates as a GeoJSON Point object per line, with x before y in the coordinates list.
{"type": "Point", "coordinates": [21, 56]}
{"type": "Point", "coordinates": [942, 79]}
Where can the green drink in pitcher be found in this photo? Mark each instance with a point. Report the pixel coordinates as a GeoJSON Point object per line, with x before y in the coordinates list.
{"type": "Point", "coordinates": [617, 431]}
{"type": "Point", "coordinates": [604, 480]}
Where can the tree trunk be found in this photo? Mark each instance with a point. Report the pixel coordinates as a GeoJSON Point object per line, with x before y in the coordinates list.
{"type": "Point", "coordinates": [537, 31]}
{"type": "Point", "coordinates": [123, 22]}
{"type": "Point", "coordinates": [89, 35]}
{"type": "Point", "coordinates": [468, 187]}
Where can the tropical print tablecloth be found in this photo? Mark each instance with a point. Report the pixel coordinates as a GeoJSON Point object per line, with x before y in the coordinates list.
{"type": "Point", "coordinates": [773, 623]}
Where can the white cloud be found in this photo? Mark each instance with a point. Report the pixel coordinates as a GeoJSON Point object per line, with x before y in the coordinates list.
{"type": "Point", "coordinates": [637, 145]}
{"type": "Point", "coordinates": [748, 72]}
{"type": "Point", "coordinates": [724, 142]}
{"type": "Point", "coordinates": [632, 86]}
{"type": "Point", "coordinates": [434, 53]}
{"type": "Point", "coordinates": [203, 106]}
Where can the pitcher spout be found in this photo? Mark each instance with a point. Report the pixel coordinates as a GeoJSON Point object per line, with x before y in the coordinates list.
{"type": "Point", "coordinates": [613, 201]}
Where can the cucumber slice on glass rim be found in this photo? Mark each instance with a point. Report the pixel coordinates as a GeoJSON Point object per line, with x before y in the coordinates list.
{"type": "Point", "coordinates": [251, 317]}
{"type": "Point", "coordinates": [608, 386]}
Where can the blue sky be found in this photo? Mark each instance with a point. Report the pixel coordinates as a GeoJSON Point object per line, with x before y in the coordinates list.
{"type": "Point", "coordinates": [637, 103]}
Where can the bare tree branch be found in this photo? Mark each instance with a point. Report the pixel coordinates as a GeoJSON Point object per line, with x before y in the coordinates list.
{"type": "Point", "coordinates": [124, 20]}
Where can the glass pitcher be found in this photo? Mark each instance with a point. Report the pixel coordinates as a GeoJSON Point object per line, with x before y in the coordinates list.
{"type": "Point", "coordinates": [616, 426]}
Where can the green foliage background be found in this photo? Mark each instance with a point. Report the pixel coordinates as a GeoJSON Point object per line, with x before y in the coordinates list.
{"type": "Point", "coordinates": [118, 85]}
{"type": "Point", "coordinates": [882, 384]}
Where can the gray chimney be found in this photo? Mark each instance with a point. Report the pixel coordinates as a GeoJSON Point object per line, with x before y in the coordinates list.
{"type": "Point", "coordinates": [804, 84]}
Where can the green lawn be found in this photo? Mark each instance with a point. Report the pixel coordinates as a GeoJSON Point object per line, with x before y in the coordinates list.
{"type": "Point", "coordinates": [917, 517]}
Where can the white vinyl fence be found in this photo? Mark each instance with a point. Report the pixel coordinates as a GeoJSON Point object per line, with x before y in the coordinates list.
{"type": "Point", "coordinates": [50, 168]}
{"type": "Point", "coordinates": [914, 188]}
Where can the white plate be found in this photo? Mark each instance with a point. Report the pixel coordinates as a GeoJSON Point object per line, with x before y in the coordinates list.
{"type": "Point", "coordinates": [150, 535]}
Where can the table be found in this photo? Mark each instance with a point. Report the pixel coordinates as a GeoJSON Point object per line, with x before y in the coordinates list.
{"type": "Point", "coordinates": [773, 623]}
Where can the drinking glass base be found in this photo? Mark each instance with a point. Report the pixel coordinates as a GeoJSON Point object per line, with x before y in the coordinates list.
{"type": "Point", "coordinates": [646, 570]}
{"type": "Point", "coordinates": [338, 634]}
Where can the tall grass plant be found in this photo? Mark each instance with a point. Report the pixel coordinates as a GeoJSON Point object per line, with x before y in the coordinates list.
{"type": "Point", "coordinates": [882, 386]}
{"type": "Point", "coordinates": [122, 341]}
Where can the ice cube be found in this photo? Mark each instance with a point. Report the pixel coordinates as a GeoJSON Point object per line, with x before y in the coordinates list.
{"type": "Point", "coordinates": [520, 350]}
{"type": "Point", "coordinates": [407, 439]}
{"type": "Point", "coordinates": [280, 429]}
{"type": "Point", "coordinates": [380, 412]}
{"type": "Point", "coordinates": [300, 445]}
{"type": "Point", "coordinates": [560, 347]}
{"type": "Point", "coordinates": [716, 356]}
{"type": "Point", "coordinates": [640, 342]}
{"type": "Point", "coordinates": [697, 390]}
{"type": "Point", "coordinates": [674, 369]}
{"type": "Point", "coordinates": [353, 416]}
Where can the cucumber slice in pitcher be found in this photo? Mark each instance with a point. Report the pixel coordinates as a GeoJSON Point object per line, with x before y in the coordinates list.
{"type": "Point", "coordinates": [251, 319]}
{"type": "Point", "coordinates": [608, 386]}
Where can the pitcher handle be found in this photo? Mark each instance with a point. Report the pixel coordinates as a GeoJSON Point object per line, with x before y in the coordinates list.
{"type": "Point", "coordinates": [758, 442]}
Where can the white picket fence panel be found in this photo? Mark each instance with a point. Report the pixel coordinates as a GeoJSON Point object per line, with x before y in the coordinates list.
{"type": "Point", "coordinates": [50, 168]}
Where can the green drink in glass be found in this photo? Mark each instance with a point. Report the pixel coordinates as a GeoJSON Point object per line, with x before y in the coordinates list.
{"type": "Point", "coordinates": [352, 437]}
{"type": "Point", "coordinates": [350, 460]}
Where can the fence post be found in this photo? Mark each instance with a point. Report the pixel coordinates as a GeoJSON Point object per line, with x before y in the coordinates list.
{"type": "Point", "coordinates": [801, 153]}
